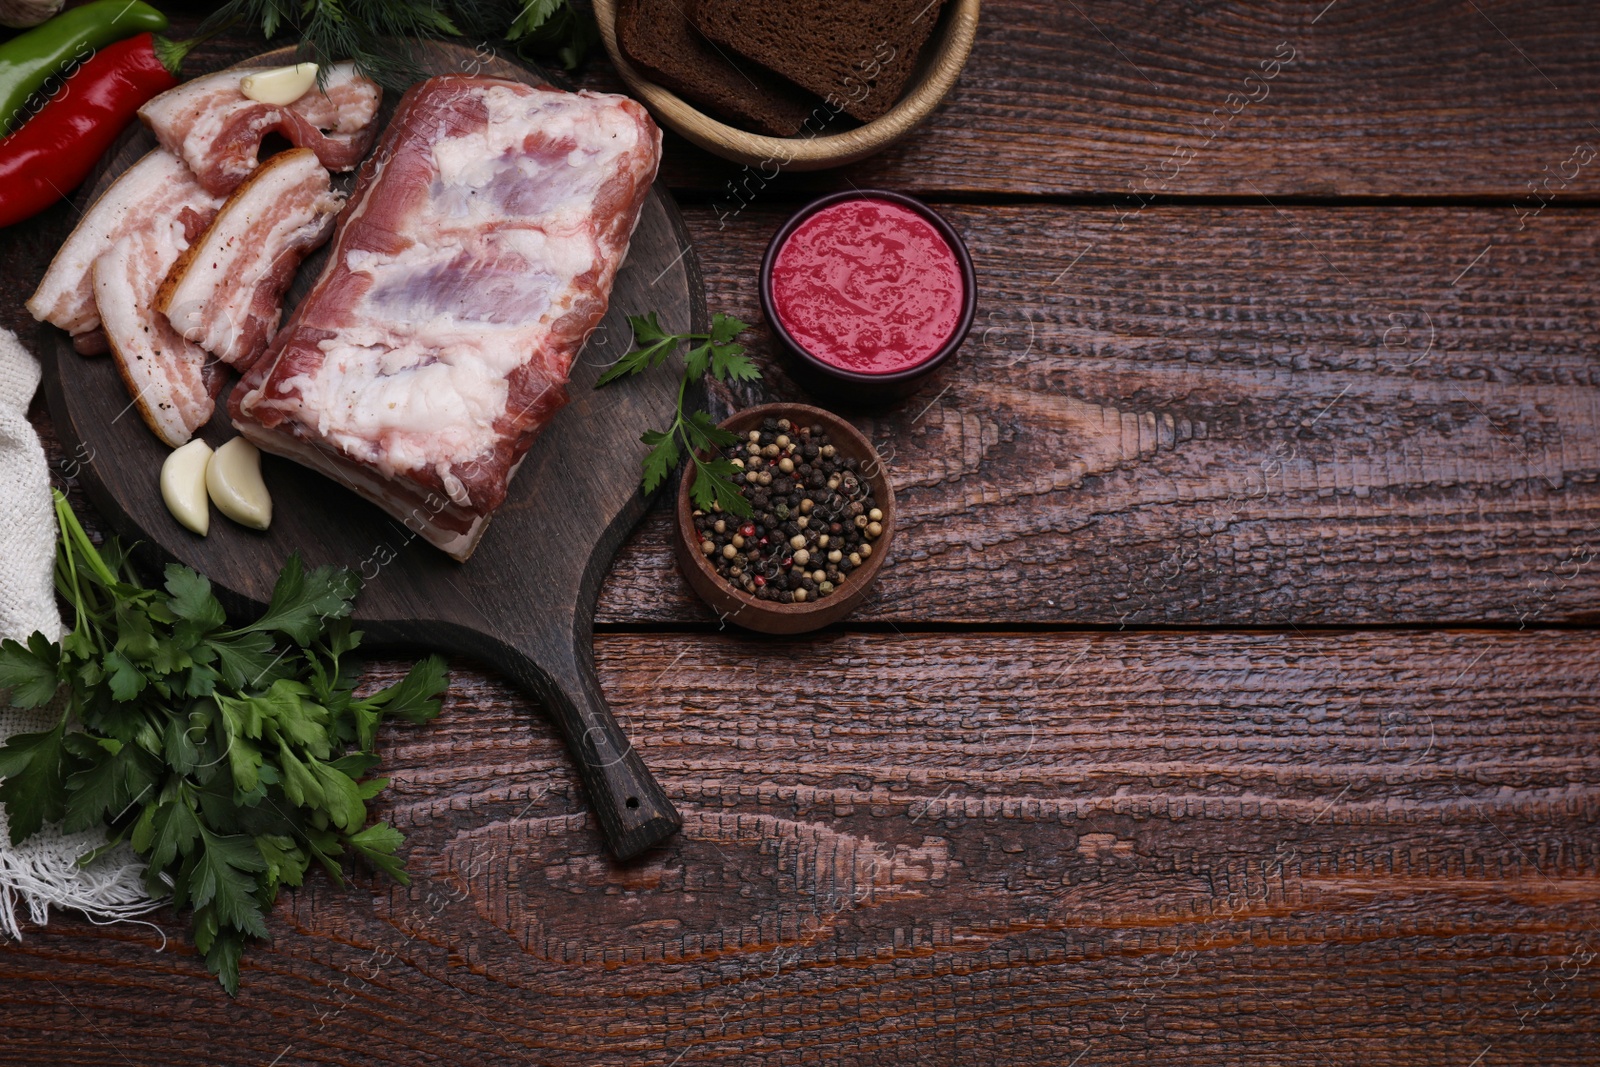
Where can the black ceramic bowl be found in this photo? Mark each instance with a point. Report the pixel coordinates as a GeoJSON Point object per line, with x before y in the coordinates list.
{"type": "Point", "coordinates": [852, 387]}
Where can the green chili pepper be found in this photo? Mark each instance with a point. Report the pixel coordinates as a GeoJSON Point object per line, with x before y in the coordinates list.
{"type": "Point", "coordinates": [62, 45]}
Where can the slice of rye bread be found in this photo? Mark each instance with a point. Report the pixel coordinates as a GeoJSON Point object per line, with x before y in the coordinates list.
{"type": "Point", "coordinates": [657, 36]}
{"type": "Point", "coordinates": [859, 53]}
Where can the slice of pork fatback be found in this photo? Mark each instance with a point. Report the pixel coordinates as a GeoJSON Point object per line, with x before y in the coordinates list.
{"type": "Point", "coordinates": [166, 376]}
{"type": "Point", "coordinates": [157, 190]}
{"type": "Point", "coordinates": [212, 126]}
{"type": "Point", "coordinates": [225, 293]}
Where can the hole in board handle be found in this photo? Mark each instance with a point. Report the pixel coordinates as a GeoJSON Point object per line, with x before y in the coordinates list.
{"type": "Point", "coordinates": [633, 802]}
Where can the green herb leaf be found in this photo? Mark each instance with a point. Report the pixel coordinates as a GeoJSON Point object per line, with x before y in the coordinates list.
{"type": "Point", "coordinates": [33, 766]}
{"type": "Point", "coordinates": [713, 486]}
{"type": "Point", "coordinates": [222, 874]}
{"type": "Point", "coordinates": [246, 660]}
{"type": "Point", "coordinates": [286, 862]}
{"type": "Point", "coordinates": [660, 461]}
{"type": "Point", "coordinates": [416, 697]}
{"type": "Point", "coordinates": [222, 959]}
{"type": "Point", "coordinates": [724, 328]}
{"type": "Point", "coordinates": [706, 434]}
{"type": "Point", "coordinates": [341, 797]}
{"type": "Point", "coordinates": [654, 346]}
{"type": "Point", "coordinates": [126, 680]}
{"type": "Point", "coordinates": [697, 361]}
{"type": "Point", "coordinates": [377, 844]}
{"type": "Point", "coordinates": [173, 830]}
{"type": "Point", "coordinates": [113, 777]}
{"type": "Point", "coordinates": [300, 786]}
{"type": "Point", "coordinates": [30, 672]}
{"type": "Point", "coordinates": [192, 599]}
{"type": "Point", "coordinates": [303, 603]}
{"type": "Point", "coordinates": [534, 14]}
{"type": "Point", "coordinates": [728, 361]}
{"type": "Point", "coordinates": [380, 36]}
{"type": "Point", "coordinates": [552, 29]}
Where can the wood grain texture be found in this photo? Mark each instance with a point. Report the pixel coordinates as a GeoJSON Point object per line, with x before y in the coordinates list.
{"type": "Point", "coordinates": [1438, 98]}
{"type": "Point", "coordinates": [1048, 848]}
{"type": "Point", "coordinates": [1230, 416]}
{"type": "Point", "coordinates": [1125, 98]}
{"type": "Point", "coordinates": [1012, 849]}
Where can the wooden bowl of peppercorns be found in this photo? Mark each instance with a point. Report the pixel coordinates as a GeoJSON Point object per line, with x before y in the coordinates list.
{"type": "Point", "coordinates": [820, 523]}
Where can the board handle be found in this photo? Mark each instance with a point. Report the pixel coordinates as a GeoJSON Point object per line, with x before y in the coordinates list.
{"type": "Point", "coordinates": [633, 810]}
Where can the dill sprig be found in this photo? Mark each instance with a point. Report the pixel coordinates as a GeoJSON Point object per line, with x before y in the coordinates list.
{"type": "Point", "coordinates": [381, 36]}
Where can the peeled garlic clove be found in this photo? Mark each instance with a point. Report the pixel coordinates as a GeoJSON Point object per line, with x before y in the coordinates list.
{"type": "Point", "coordinates": [183, 486]}
{"type": "Point", "coordinates": [280, 85]}
{"type": "Point", "coordinates": [234, 479]}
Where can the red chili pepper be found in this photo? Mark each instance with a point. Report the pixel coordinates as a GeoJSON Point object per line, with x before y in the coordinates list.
{"type": "Point", "coordinates": [56, 149]}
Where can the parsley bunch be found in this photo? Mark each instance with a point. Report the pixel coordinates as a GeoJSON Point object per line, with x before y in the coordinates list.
{"type": "Point", "coordinates": [691, 433]}
{"type": "Point", "coordinates": [229, 757]}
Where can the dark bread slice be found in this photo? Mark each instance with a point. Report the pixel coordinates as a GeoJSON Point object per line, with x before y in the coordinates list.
{"type": "Point", "coordinates": [657, 36]}
{"type": "Point", "coordinates": [858, 53]}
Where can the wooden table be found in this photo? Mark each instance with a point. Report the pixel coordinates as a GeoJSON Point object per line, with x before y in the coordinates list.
{"type": "Point", "coordinates": [1231, 696]}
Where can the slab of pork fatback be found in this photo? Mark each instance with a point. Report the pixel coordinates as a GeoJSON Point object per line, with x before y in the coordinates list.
{"type": "Point", "coordinates": [476, 255]}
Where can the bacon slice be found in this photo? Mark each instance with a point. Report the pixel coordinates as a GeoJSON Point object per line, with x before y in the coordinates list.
{"type": "Point", "coordinates": [158, 189]}
{"type": "Point", "coordinates": [166, 376]}
{"type": "Point", "coordinates": [212, 126]}
{"type": "Point", "coordinates": [466, 273]}
{"type": "Point", "coordinates": [225, 293]}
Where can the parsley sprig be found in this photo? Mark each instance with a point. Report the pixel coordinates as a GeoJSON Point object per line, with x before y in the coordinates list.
{"type": "Point", "coordinates": [693, 433]}
{"type": "Point", "coordinates": [229, 757]}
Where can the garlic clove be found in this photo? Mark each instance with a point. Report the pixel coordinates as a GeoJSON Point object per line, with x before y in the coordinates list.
{"type": "Point", "coordinates": [183, 486]}
{"type": "Point", "coordinates": [280, 85]}
{"type": "Point", "coordinates": [233, 477]}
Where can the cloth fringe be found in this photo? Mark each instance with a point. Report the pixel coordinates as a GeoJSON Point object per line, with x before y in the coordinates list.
{"type": "Point", "coordinates": [43, 871]}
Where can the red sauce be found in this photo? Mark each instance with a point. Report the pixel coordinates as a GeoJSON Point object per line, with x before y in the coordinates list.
{"type": "Point", "coordinates": [868, 286]}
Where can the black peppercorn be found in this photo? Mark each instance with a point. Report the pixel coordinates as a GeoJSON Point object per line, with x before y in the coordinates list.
{"type": "Point", "coordinates": [815, 516]}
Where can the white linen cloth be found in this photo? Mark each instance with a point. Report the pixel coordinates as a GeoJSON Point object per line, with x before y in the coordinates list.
{"type": "Point", "coordinates": [43, 870]}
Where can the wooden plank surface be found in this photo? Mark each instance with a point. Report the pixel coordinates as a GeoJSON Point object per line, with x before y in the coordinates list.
{"type": "Point", "coordinates": [1010, 849]}
{"type": "Point", "coordinates": [1129, 98]}
{"type": "Point", "coordinates": [1054, 847]}
{"type": "Point", "coordinates": [1450, 98]}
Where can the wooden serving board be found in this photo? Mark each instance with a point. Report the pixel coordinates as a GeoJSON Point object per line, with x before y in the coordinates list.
{"type": "Point", "coordinates": [524, 603]}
